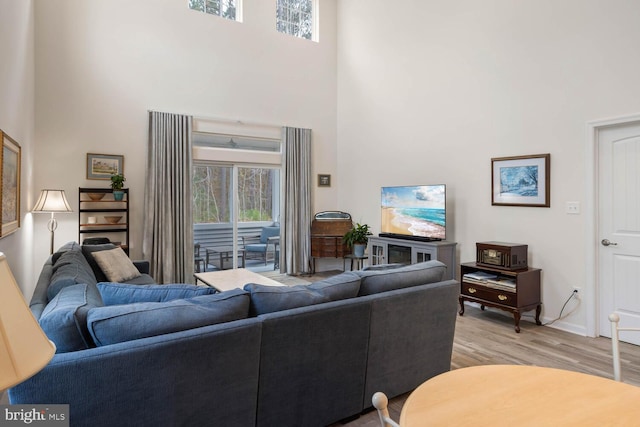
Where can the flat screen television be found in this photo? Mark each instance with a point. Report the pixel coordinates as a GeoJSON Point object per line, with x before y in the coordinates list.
{"type": "Point", "coordinates": [416, 212]}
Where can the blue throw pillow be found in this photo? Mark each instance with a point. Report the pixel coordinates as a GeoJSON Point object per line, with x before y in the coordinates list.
{"type": "Point", "coordinates": [120, 323]}
{"type": "Point", "coordinates": [114, 293]}
{"type": "Point", "coordinates": [71, 268]}
{"type": "Point", "coordinates": [267, 299]}
{"type": "Point", "coordinates": [342, 286]}
{"type": "Point", "coordinates": [64, 319]}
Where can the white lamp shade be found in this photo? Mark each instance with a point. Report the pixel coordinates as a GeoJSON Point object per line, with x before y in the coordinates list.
{"type": "Point", "coordinates": [52, 201]}
{"type": "Point", "coordinates": [24, 347]}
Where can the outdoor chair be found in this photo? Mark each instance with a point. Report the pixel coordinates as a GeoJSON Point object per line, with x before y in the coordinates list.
{"type": "Point", "coordinates": [260, 250]}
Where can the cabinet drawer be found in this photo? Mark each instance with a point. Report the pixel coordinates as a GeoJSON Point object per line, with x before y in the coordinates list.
{"type": "Point", "coordinates": [488, 294]}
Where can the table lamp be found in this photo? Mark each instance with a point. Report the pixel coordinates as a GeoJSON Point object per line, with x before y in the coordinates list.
{"type": "Point", "coordinates": [52, 201]}
{"type": "Point", "coordinates": [24, 347]}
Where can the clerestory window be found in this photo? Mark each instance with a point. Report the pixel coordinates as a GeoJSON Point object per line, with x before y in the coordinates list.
{"type": "Point", "coordinates": [223, 8]}
{"type": "Point", "coordinates": [296, 18]}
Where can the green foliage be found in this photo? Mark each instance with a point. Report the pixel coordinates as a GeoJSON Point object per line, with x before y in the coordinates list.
{"type": "Point", "coordinates": [212, 199]}
{"type": "Point", "coordinates": [117, 181]}
{"type": "Point", "coordinates": [357, 235]}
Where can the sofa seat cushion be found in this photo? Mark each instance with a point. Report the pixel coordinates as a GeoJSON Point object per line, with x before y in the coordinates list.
{"type": "Point", "coordinates": [375, 281]}
{"type": "Point", "coordinates": [268, 299]}
{"type": "Point", "coordinates": [120, 323]}
{"type": "Point", "coordinates": [116, 265]}
{"type": "Point", "coordinates": [64, 319]}
{"type": "Point", "coordinates": [125, 293]}
{"type": "Point", "coordinates": [343, 286]}
{"type": "Point", "coordinates": [71, 268]}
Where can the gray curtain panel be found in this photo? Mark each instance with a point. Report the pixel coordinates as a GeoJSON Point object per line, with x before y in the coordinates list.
{"type": "Point", "coordinates": [168, 220]}
{"type": "Point", "coordinates": [296, 202]}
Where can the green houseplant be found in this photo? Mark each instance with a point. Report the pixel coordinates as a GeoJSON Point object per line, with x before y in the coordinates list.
{"type": "Point", "coordinates": [357, 237]}
{"type": "Point", "coordinates": [117, 181]}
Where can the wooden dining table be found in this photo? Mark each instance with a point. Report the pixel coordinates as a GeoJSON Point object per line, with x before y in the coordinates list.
{"type": "Point", "coordinates": [514, 395]}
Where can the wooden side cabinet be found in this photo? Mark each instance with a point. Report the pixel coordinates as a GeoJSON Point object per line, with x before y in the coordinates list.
{"type": "Point", "coordinates": [514, 291]}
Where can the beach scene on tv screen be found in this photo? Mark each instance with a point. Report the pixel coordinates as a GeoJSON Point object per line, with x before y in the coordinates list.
{"type": "Point", "coordinates": [414, 211]}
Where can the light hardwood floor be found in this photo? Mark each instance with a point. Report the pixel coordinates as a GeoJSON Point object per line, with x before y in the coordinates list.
{"type": "Point", "coordinates": [488, 338]}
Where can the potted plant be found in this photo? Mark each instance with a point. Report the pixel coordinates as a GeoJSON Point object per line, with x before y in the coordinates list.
{"type": "Point", "coordinates": [117, 181]}
{"type": "Point", "coordinates": [357, 238]}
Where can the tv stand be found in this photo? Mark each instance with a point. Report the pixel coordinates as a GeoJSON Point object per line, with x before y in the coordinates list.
{"type": "Point", "coordinates": [389, 250]}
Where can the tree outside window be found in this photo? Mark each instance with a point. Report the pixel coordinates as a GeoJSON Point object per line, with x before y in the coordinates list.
{"type": "Point", "coordinates": [295, 17]}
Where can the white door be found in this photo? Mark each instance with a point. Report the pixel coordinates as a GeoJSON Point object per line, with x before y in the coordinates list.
{"type": "Point", "coordinates": [619, 227]}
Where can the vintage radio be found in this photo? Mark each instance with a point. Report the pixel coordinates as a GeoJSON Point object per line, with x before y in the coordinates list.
{"type": "Point", "coordinates": [505, 256]}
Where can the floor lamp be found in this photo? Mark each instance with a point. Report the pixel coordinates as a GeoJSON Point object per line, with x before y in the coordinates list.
{"type": "Point", "coordinates": [24, 347]}
{"type": "Point", "coordinates": [52, 201]}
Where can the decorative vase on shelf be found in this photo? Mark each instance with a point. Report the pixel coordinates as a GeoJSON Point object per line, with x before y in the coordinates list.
{"type": "Point", "coordinates": [118, 195]}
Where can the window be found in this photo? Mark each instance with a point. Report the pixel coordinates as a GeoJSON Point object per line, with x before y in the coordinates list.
{"type": "Point", "coordinates": [223, 8]}
{"type": "Point", "coordinates": [295, 17]}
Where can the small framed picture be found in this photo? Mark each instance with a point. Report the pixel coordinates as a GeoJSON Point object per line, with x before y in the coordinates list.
{"type": "Point", "coordinates": [324, 180]}
{"type": "Point", "coordinates": [521, 181]}
{"type": "Point", "coordinates": [102, 166]}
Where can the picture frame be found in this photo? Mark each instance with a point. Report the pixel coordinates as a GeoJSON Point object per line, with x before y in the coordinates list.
{"type": "Point", "coordinates": [324, 180]}
{"type": "Point", "coordinates": [521, 181]}
{"type": "Point", "coordinates": [10, 163]}
{"type": "Point", "coordinates": [102, 166]}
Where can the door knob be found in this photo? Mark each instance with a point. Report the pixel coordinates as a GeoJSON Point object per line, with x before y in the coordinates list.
{"type": "Point", "coordinates": [606, 242]}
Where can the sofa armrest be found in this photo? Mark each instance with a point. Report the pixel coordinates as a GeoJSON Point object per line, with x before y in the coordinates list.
{"type": "Point", "coordinates": [143, 266]}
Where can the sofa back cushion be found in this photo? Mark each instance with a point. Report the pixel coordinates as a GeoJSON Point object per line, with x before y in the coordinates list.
{"type": "Point", "coordinates": [64, 319]}
{"type": "Point", "coordinates": [374, 281]}
{"type": "Point", "coordinates": [268, 299]}
{"type": "Point", "coordinates": [123, 293]}
{"type": "Point", "coordinates": [119, 323]}
{"type": "Point", "coordinates": [70, 268]}
{"type": "Point", "coordinates": [343, 286]}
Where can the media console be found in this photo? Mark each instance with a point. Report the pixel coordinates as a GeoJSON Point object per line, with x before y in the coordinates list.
{"type": "Point", "coordinates": [388, 250]}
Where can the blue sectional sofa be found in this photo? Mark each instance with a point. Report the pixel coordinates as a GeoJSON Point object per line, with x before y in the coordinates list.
{"type": "Point", "coordinates": [305, 355]}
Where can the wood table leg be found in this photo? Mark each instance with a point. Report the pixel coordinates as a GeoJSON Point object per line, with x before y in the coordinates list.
{"type": "Point", "coordinates": [461, 312]}
{"type": "Point", "coordinates": [516, 318]}
{"type": "Point", "coordinates": [538, 310]}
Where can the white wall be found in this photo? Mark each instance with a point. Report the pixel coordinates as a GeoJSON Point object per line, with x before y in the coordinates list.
{"type": "Point", "coordinates": [431, 92]}
{"type": "Point", "coordinates": [17, 120]}
{"type": "Point", "coordinates": [102, 64]}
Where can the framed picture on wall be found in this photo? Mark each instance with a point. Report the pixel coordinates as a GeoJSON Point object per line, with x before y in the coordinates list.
{"type": "Point", "coordinates": [10, 189]}
{"type": "Point", "coordinates": [521, 181]}
{"type": "Point", "coordinates": [324, 180]}
{"type": "Point", "coordinates": [102, 166]}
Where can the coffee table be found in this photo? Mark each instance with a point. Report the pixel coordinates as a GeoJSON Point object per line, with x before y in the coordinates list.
{"type": "Point", "coordinates": [231, 279]}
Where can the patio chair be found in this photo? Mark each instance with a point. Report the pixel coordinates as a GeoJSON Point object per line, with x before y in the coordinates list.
{"type": "Point", "coordinates": [260, 250]}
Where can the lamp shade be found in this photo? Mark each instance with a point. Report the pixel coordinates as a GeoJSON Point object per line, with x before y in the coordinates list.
{"type": "Point", "coordinates": [52, 201]}
{"type": "Point", "coordinates": [24, 347]}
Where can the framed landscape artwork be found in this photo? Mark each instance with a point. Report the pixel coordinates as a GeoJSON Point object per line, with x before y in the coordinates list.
{"type": "Point", "coordinates": [10, 189]}
{"type": "Point", "coordinates": [102, 166]}
{"type": "Point", "coordinates": [521, 181]}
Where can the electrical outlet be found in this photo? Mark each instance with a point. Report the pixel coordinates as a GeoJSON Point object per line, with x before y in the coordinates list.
{"type": "Point", "coordinates": [576, 291]}
{"type": "Point", "coordinates": [573, 208]}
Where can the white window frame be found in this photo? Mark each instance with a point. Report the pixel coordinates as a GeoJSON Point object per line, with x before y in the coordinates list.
{"type": "Point", "coordinates": [238, 6]}
{"type": "Point", "coordinates": [314, 22]}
